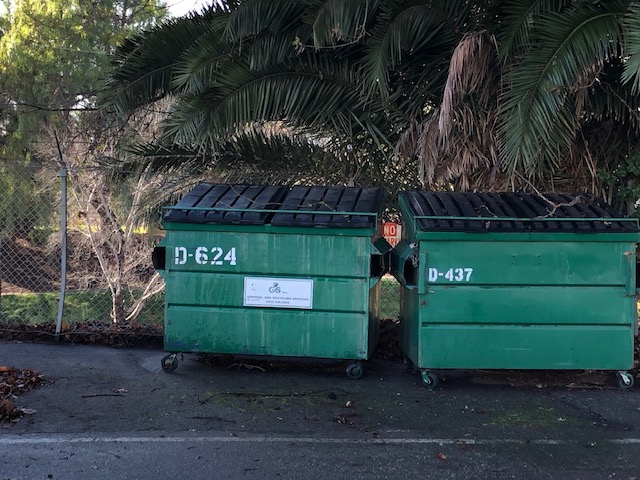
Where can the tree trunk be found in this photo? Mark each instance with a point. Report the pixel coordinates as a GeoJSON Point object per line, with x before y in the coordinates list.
{"type": "Point", "coordinates": [118, 312]}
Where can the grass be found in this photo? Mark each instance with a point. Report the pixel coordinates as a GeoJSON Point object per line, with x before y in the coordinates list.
{"type": "Point", "coordinates": [92, 306]}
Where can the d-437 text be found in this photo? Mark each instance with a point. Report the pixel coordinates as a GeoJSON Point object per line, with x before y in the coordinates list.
{"type": "Point", "coordinates": [453, 274]}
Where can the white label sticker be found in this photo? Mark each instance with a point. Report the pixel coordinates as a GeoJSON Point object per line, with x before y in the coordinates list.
{"type": "Point", "coordinates": [278, 292]}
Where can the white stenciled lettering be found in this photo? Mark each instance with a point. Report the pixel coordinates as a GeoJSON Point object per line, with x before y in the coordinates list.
{"type": "Point", "coordinates": [433, 274]}
{"type": "Point", "coordinates": [468, 272]}
{"type": "Point", "coordinates": [180, 255]}
{"type": "Point", "coordinates": [231, 256]}
{"type": "Point", "coordinates": [202, 255]}
{"type": "Point", "coordinates": [217, 252]}
{"type": "Point", "coordinates": [452, 274]}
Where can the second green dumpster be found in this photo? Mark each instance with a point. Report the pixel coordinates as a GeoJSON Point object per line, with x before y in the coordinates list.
{"type": "Point", "coordinates": [515, 281]}
{"type": "Point", "coordinates": [274, 271]}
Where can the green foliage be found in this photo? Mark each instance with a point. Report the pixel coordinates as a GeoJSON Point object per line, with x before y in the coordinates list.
{"type": "Point", "coordinates": [54, 58]}
{"type": "Point", "coordinates": [402, 29]}
{"type": "Point", "coordinates": [243, 64]}
{"type": "Point", "coordinates": [624, 183]}
{"type": "Point", "coordinates": [631, 72]}
{"type": "Point", "coordinates": [382, 71]}
{"type": "Point", "coordinates": [24, 211]}
{"type": "Point", "coordinates": [539, 111]}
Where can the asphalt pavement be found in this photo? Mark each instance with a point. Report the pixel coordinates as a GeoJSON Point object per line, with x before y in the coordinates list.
{"type": "Point", "coordinates": [107, 412]}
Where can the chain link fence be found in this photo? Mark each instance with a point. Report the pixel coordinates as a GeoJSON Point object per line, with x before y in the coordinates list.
{"type": "Point", "coordinates": [34, 273]}
{"type": "Point", "coordinates": [108, 274]}
{"type": "Point", "coordinates": [30, 269]}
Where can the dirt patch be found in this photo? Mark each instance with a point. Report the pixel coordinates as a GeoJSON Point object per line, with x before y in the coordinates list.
{"type": "Point", "coordinates": [27, 267]}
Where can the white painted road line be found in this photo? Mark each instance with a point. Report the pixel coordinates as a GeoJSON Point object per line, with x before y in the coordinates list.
{"type": "Point", "coordinates": [59, 439]}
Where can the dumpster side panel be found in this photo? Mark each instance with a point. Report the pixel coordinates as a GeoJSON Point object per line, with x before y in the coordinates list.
{"type": "Point", "coordinates": [227, 290]}
{"type": "Point", "coordinates": [264, 253]}
{"type": "Point", "coordinates": [526, 347]}
{"type": "Point", "coordinates": [373, 326]}
{"type": "Point", "coordinates": [275, 332]}
{"type": "Point", "coordinates": [531, 305]}
{"type": "Point", "coordinates": [528, 305]}
{"type": "Point", "coordinates": [207, 307]}
{"type": "Point", "coordinates": [505, 263]}
{"type": "Point", "coordinates": [410, 318]}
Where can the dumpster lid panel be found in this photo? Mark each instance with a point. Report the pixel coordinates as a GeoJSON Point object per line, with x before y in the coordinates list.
{"type": "Point", "coordinates": [299, 206]}
{"type": "Point", "coordinates": [354, 207]}
{"type": "Point", "coordinates": [514, 212]}
{"type": "Point", "coordinates": [227, 204]}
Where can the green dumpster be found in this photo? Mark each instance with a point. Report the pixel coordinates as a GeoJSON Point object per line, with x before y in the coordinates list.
{"type": "Point", "coordinates": [273, 271]}
{"type": "Point", "coordinates": [515, 281]}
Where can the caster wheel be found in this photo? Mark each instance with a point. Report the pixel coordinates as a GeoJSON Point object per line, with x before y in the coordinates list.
{"type": "Point", "coordinates": [169, 363]}
{"type": "Point", "coordinates": [429, 379]}
{"type": "Point", "coordinates": [355, 371]}
{"type": "Point", "coordinates": [625, 380]}
{"type": "Point", "coordinates": [408, 363]}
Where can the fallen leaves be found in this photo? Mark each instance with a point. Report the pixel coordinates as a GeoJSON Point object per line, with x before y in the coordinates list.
{"type": "Point", "coordinates": [124, 334]}
{"type": "Point", "coordinates": [14, 382]}
{"type": "Point", "coordinates": [388, 347]}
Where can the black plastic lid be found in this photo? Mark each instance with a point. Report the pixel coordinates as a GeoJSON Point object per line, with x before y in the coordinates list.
{"type": "Point", "coordinates": [523, 212]}
{"type": "Point", "coordinates": [348, 202]}
{"type": "Point", "coordinates": [247, 201]}
{"type": "Point", "coordinates": [242, 204]}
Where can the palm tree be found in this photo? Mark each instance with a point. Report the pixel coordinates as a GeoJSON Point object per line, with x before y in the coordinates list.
{"type": "Point", "coordinates": [241, 64]}
{"type": "Point", "coordinates": [486, 94]}
{"type": "Point", "coordinates": [565, 108]}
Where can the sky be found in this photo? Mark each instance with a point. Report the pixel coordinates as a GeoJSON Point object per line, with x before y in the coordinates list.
{"type": "Point", "coordinates": [182, 7]}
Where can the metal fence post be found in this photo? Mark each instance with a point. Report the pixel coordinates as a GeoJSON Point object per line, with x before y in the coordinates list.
{"type": "Point", "coordinates": [63, 247]}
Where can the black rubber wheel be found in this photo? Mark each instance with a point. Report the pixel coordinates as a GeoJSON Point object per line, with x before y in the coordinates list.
{"type": "Point", "coordinates": [169, 363]}
{"type": "Point", "coordinates": [429, 379]}
{"type": "Point", "coordinates": [355, 371]}
{"type": "Point", "coordinates": [625, 380]}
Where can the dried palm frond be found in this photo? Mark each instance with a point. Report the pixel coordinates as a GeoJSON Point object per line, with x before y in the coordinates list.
{"type": "Point", "coordinates": [458, 145]}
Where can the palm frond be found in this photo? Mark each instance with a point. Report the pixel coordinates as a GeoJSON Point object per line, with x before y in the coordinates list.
{"type": "Point", "coordinates": [632, 46]}
{"type": "Point", "coordinates": [519, 20]}
{"type": "Point", "coordinates": [270, 48]}
{"type": "Point", "coordinates": [253, 17]}
{"type": "Point", "coordinates": [269, 32]}
{"type": "Point", "coordinates": [537, 119]}
{"type": "Point", "coordinates": [259, 146]}
{"type": "Point", "coordinates": [337, 22]}
{"type": "Point", "coordinates": [427, 31]}
{"type": "Point", "coordinates": [610, 99]}
{"type": "Point", "coordinates": [144, 63]}
{"type": "Point", "coordinates": [473, 71]}
{"type": "Point", "coordinates": [315, 93]}
{"type": "Point", "coordinates": [201, 62]}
